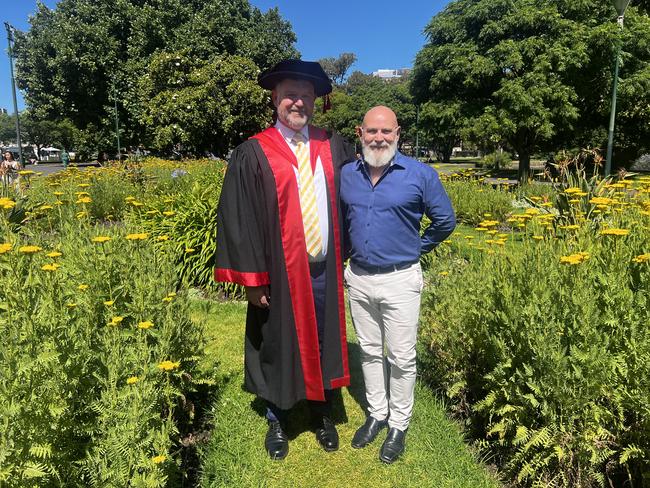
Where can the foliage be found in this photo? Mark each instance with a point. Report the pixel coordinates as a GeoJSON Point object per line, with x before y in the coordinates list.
{"type": "Point", "coordinates": [530, 75]}
{"type": "Point", "coordinates": [7, 128]}
{"type": "Point", "coordinates": [210, 105]}
{"type": "Point", "coordinates": [80, 59]}
{"type": "Point", "coordinates": [474, 201]}
{"type": "Point", "coordinates": [98, 355]}
{"type": "Point", "coordinates": [442, 124]}
{"type": "Point", "coordinates": [362, 92]}
{"type": "Point", "coordinates": [336, 68]}
{"type": "Point", "coordinates": [496, 160]}
{"type": "Point", "coordinates": [540, 338]}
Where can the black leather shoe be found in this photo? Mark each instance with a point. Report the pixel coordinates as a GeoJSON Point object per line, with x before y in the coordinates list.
{"type": "Point", "coordinates": [367, 432]}
{"type": "Point", "coordinates": [327, 436]}
{"type": "Point", "coordinates": [393, 446]}
{"type": "Point", "coordinates": [276, 442]}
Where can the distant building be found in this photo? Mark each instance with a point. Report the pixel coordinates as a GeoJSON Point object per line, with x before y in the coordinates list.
{"type": "Point", "coordinates": [3, 111]}
{"type": "Point", "coordinates": [391, 74]}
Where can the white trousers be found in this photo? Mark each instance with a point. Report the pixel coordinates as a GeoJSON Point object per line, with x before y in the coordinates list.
{"type": "Point", "coordinates": [385, 309]}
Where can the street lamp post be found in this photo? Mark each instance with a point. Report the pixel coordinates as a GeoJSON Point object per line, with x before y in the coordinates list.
{"type": "Point", "coordinates": [10, 40]}
{"type": "Point", "coordinates": [620, 6]}
{"type": "Point", "coordinates": [117, 123]}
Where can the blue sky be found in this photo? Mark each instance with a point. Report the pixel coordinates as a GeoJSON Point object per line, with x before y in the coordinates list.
{"type": "Point", "coordinates": [382, 34]}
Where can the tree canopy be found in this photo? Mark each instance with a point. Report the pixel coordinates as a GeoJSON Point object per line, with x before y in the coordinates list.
{"type": "Point", "coordinates": [536, 76]}
{"type": "Point", "coordinates": [360, 93]}
{"type": "Point", "coordinates": [81, 58]}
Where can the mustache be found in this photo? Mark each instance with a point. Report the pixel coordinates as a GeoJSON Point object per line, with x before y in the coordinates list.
{"type": "Point", "coordinates": [379, 145]}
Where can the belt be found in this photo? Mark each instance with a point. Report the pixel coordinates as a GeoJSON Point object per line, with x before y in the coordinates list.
{"type": "Point", "coordinates": [389, 268]}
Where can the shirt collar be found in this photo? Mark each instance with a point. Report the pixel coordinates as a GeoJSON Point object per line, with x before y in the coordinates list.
{"type": "Point", "coordinates": [288, 133]}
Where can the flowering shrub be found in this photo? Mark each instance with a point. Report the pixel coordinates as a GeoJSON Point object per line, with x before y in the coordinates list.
{"type": "Point", "coordinates": [97, 350]}
{"type": "Point", "coordinates": [541, 338]}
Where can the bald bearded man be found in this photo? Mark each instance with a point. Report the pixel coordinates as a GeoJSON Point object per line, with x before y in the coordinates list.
{"type": "Point", "coordinates": [383, 198]}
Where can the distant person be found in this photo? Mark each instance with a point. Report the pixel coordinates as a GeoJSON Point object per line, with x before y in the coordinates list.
{"type": "Point", "coordinates": [388, 190]}
{"type": "Point", "coordinates": [9, 168]}
{"type": "Point", "coordinates": [65, 159]}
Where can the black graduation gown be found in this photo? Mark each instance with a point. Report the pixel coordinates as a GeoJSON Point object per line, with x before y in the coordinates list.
{"type": "Point", "coordinates": [260, 241]}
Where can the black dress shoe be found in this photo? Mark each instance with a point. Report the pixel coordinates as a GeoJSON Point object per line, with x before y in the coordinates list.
{"type": "Point", "coordinates": [327, 436]}
{"type": "Point", "coordinates": [367, 432]}
{"type": "Point", "coordinates": [393, 446]}
{"type": "Point", "coordinates": [276, 442]}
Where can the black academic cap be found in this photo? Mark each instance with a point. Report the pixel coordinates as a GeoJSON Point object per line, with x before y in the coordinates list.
{"type": "Point", "coordinates": [296, 69]}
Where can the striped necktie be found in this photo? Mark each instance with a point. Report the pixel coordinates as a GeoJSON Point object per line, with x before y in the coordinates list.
{"type": "Point", "coordinates": [311, 223]}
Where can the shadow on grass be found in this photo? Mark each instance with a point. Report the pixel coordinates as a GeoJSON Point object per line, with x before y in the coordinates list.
{"type": "Point", "coordinates": [299, 418]}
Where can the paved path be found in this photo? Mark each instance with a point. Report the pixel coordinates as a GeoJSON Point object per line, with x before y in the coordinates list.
{"type": "Point", "coordinates": [50, 168]}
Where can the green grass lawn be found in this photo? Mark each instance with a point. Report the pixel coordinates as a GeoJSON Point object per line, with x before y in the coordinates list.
{"type": "Point", "coordinates": [436, 455]}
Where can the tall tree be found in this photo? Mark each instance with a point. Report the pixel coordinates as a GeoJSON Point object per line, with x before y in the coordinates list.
{"type": "Point", "coordinates": [82, 58]}
{"type": "Point", "coordinates": [532, 75]}
{"type": "Point", "coordinates": [337, 68]}
{"type": "Point", "coordinates": [200, 105]}
{"type": "Point", "coordinates": [353, 99]}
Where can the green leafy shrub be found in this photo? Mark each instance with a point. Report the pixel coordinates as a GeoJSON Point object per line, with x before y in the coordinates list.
{"type": "Point", "coordinates": [543, 346]}
{"type": "Point", "coordinates": [97, 354]}
{"type": "Point", "coordinates": [472, 199]}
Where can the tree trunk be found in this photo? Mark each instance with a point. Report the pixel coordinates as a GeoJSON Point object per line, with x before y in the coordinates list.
{"type": "Point", "coordinates": [524, 167]}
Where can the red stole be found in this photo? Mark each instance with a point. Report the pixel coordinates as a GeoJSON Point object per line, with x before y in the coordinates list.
{"type": "Point", "coordinates": [279, 154]}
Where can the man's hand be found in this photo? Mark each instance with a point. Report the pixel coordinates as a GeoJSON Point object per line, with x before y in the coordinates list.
{"type": "Point", "coordinates": [258, 296]}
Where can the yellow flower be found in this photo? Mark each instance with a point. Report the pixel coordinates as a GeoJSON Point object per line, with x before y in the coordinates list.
{"type": "Point", "coordinates": [71, 305]}
{"type": "Point", "coordinates": [26, 172]}
{"type": "Point", "coordinates": [116, 320]}
{"type": "Point", "coordinates": [108, 303]}
{"type": "Point", "coordinates": [50, 267]}
{"type": "Point", "coordinates": [151, 212]}
{"type": "Point", "coordinates": [82, 214]}
{"type": "Point", "coordinates": [535, 199]}
{"type": "Point", "coordinates": [469, 237]}
{"type": "Point", "coordinates": [132, 380]}
{"type": "Point", "coordinates": [532, 211]}
{"type": "Point", "coordinates": [58, 202]}
{"type": "Point", "coordinates": [145, 325]}
{"type": "Point", "coordinates": [443, 273]}
{"type": "Point", "coordinates": [83, 185]}
{"type": "Point", "coordinates": [171, 294]}
{"type": "Point", "coordinates": [169, 213]}
{"type": "Point", "coordinates": [538, 238]}
{"type": "Point", "coordinates": [574, 200]}
{"type": "Point", "coordinates": [129, 199]}
{"type": "Point", "coordinates": [4, 248]}
{"type": "Point", "coordinates": [642, 258]}
{"type": "Point", "coordinates": [83, 287]}
{"type": "Point", "coordinates": [159, 459]}
{"type": "Point", "coordinates": [58, 193]}
{"type": "Point", "coordinates": [489, 223]}
{"type": "Point", "coordinates": [481, 229]}
{"type": "Point", "coordinates": [572, 190]}
{"type": "Point", "coordinates": [614, 232]}
{"type": "Point", "coordinates": [7, 203]}
{"type": "Point", "coordinates": [570, 227]}
{"type": "Point", "coordinates": [168, 365]}
{"type": "Point", "coordinates": [167, 299]}
{"type": "Point", "coordinates": [29, 249]}
{"type": "Point", "coordinates": [601, 201]}
{"type": "Point", "coordinates": [163, 238]}
{"type": "Point", "coordinates": [84, 200]}
{"type": "Point", "coordinates": [574, 259]}
{"type": "Point", "coordinates": [137, 237]}
{"type": "Point", "coordinates": [101, 239]}
{"type": "Point", "coordinates": [546, 204]}
{"type": "Point", "coordinates": [135, 203]}
{"type": "Point", "coordinates": [45, 207]}
{"type": "Point", "coordinates": [189, 250]}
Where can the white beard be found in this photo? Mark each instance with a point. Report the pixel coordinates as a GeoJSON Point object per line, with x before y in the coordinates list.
{"type": "Point", "coordinates": [379, 158]}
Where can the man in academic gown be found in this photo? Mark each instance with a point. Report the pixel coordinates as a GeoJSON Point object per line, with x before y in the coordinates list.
{"type": "Point", "coordinates": [278, 235]}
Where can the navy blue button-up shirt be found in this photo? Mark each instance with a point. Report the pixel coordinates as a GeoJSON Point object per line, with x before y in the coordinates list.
{"type": "Point", "coordinates": [382, 223]}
